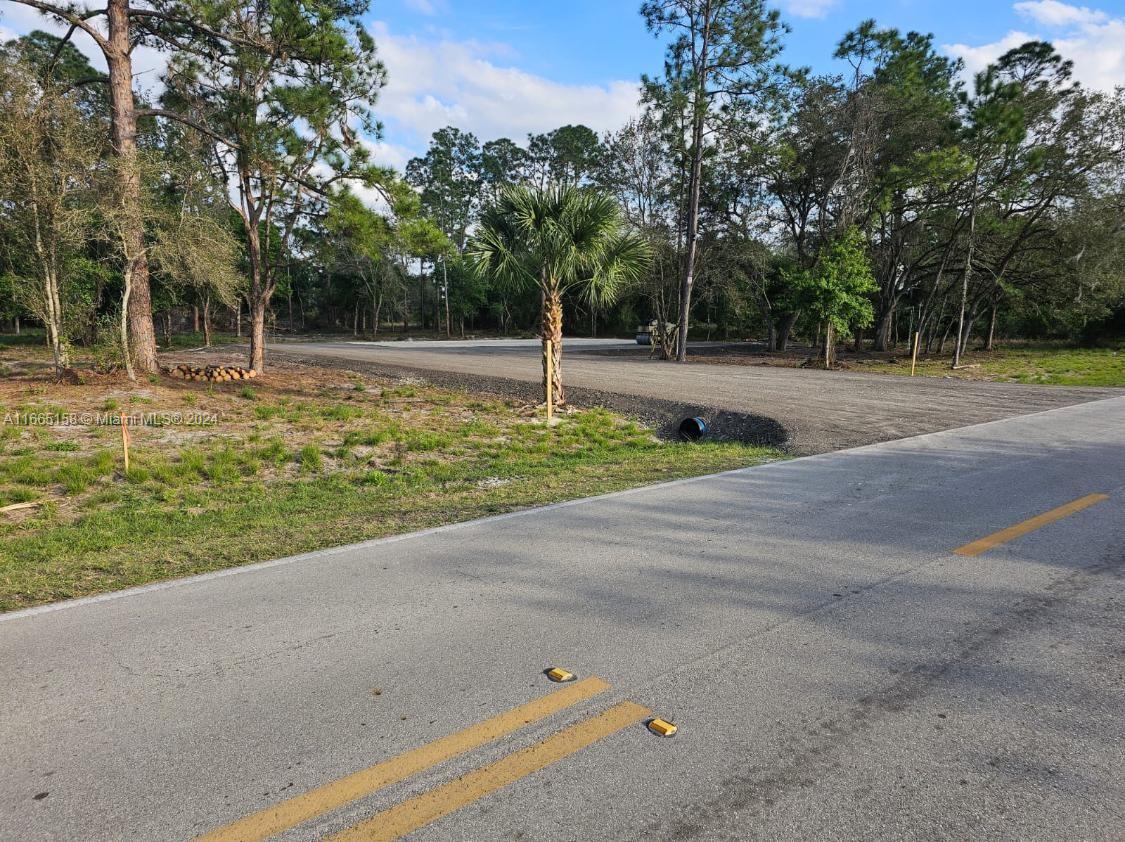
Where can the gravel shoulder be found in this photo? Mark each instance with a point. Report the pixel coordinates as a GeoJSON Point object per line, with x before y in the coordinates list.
{"type": "Point", "coordinates": [803, 410]}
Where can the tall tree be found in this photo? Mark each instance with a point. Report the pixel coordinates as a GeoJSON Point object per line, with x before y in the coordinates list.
{"type": "Point", "coordinates": [502, 164]}
{"type": "Point", "coordinates": [283, 102]}
{"type": "Point", "coordinates": [559, 239]}
{"type": "Point", "coordinates": [720, 62]}
{"type": "Point", "coordinates": [900, 123]}
{"type": "Point", "coordinates": [49, 196]}
{"type": "Point", "coordinates": [448, 177]}
{"type": "Point", "coordinates": [125, 25]}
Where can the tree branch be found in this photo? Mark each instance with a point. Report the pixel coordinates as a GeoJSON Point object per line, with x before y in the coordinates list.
{"type": "Point", "coordinates": [75, 20]}
{"type": "Point", "coordinates": [187, 121]}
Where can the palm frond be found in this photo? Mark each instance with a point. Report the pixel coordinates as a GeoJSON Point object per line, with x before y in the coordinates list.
{"type": "Point", "coordinates": [558, 237]}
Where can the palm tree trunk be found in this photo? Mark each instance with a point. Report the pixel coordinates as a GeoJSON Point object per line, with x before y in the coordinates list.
{"type": "Point", "coordinates": [552, 331]}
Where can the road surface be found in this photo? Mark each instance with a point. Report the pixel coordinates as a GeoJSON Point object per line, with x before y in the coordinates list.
{"type": "Point", "coordinates": [912, 640]}
{"type": "Point", "coordinates": [819, 411]}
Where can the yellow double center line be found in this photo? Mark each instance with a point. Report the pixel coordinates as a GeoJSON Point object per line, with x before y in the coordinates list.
{"type": "Point", "coordinates": [989, 542]}
{"type": "Point", "coordinates": [431, 805]}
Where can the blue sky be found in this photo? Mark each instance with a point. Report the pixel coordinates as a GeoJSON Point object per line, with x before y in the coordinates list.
{"type": "Point", "coordinates": [509, 67]}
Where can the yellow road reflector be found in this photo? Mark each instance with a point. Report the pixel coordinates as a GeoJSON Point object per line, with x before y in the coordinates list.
{"type": "Point", "coordinates": [287, 814]}
{"type": "Point", "coordinates": [559, 674]}
{"type": "Point", "coordinates": [988, 542]}
{"type": "Point", "coordinates": [419, 811]}
{"type": "Point", "coordinates": [662, 727]}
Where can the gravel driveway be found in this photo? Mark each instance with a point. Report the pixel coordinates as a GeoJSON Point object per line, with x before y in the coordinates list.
{"type": "Point", "coordinates": [805, 410]}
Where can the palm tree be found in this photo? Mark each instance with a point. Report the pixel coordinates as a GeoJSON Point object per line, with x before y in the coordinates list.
{"type": "Point", "coordinates": [560, 239]}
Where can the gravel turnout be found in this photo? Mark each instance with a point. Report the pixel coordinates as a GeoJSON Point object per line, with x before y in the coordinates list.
{"type": "Point", "coordinates": [803, 410]}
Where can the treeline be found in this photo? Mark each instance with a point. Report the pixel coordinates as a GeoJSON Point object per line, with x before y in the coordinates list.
{"type": "Point", "coordinates": [889, 199]}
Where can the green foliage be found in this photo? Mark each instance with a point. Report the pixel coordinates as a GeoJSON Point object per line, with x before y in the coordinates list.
{"type": "Point", "coordinates": [557, 239]}
{"type": "Point", "coordinates": [837, 288]}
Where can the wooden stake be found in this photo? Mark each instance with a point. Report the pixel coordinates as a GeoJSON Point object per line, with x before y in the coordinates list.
{"type": "Point", "coordinates": [550, 379]}
{"type": "Point", "coordinates": [914, 360]}
{"type": "Point", "coordinates": [125, 441]}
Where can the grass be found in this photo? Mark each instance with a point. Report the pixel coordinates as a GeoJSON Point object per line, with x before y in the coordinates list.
{"type": "Point", "coordinates": [308, 462]}
{"type": "Point", "coordinates": [1042, 364]}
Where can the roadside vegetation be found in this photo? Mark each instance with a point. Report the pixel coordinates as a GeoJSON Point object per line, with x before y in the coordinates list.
{"type": "Point", "coordinates": [1047, 364]}
{"type": "Point", "coordinates": [309, 458]}
{"type": "Point", "coordinates": [1053, 365]}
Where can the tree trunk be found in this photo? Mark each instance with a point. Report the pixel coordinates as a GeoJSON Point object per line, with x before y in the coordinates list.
{"type": "Point", "coordinates": [421, 295]}
{"type": "Point", "coordinates": [238, 318]}
{"type": "Point", "coordinates": [968, 333]}
{"type": "Point", "coordinates": [445, 286]}
{"type": "Point", "coordinates": [771, 337]}
{"type": "Point", "coordinates": [784, 330]}
{"type": "Point", "coordinates": [552, 330]}
{"type": "Point", "coordinates": [207, 320]}
{"type": "Point", "coordinates": [698, 121]}
{"type": "Point", "coordinates": [961, 337]}
{"type": "Point", "coordinates": [261, 290]}
{"type": "Point", "coordinates": [883, 330]}
{"type": "Point", "coordinates": [935, 326]}
{"type": "Point", "coordinates": [989, 343]}
{"type": "Point", "coordinates": [829, 347]}
{"type": "Point", "coordinates": [195, 318]}
{"type": "Point", "coordinates": [53, 323]}
{"type": "Point", "coordinates": [258, 334]}
{"type": "Point", "coordinates": [127, 278]}
{"type": "Point", "coordinates": [123, 125]}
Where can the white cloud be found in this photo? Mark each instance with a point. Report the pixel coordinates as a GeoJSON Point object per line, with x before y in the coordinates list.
{"type": "Point", "coordinates": [977, 58]}
{"type": "Point", "coordinates": [810, 8]}
{"type": "Point", "coordinates": [425, 7]}
{"type": "Point", "coordinates": [1090, 38]}
{"type": "Point", "coordinates": [1054, 13]}
{"type": "Point", "coordinates": [388, 154]}
{"type": "Point", "coordinates": [442, 82]}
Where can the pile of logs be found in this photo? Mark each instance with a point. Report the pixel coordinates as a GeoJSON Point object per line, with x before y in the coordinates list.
{"type": "Point", "coordinates": [214, 373]}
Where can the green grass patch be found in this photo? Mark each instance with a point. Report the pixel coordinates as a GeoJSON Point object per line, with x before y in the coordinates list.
{"type": "Point", "coordinates": [1047, 364]}
{"type": "Point", "coordinates": [229, 501]}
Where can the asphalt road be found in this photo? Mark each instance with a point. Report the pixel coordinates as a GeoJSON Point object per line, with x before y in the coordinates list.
{"type": "Point", "coordinates": [819, 411]}
{"type": "Point", "coordinates": [835, 669]}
